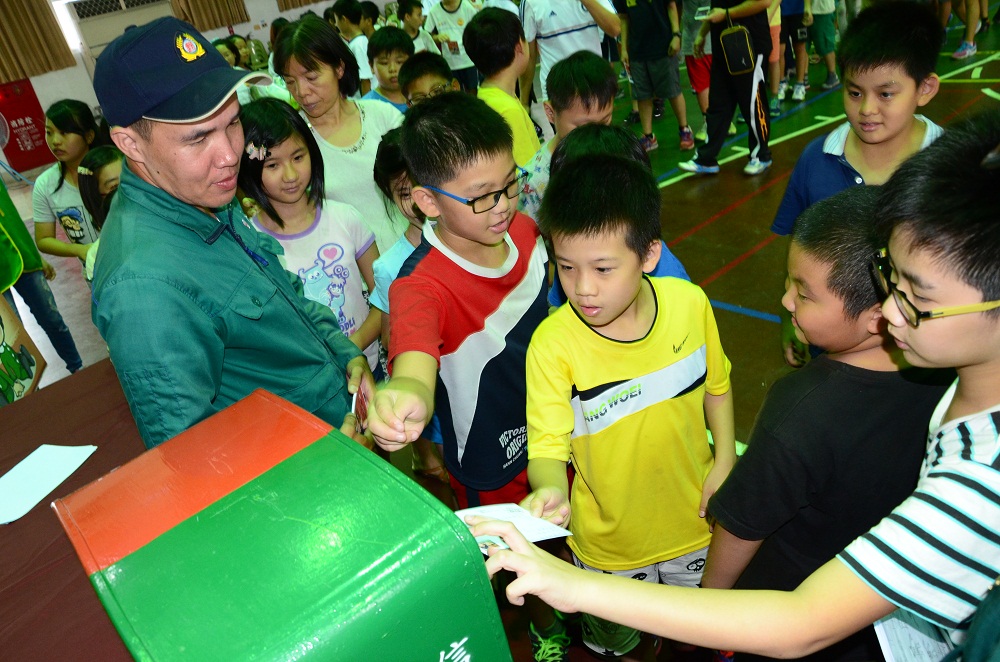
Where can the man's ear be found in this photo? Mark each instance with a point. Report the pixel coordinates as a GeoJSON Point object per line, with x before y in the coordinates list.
{"type": "Point", "coordinates": [652, 256]}
{"type": "Point", "coordinates": [425, 201]}
{"type": "Point", "coordinates": [550, 113]}
{"type": "Point", "coordinates": [873, 320]}
{"type": "Point", "coordinates": [128, 142]}
{"type": "Point", "coordinates": [455, 85]}
{"type": "Point", "coordinates": [928, 89]}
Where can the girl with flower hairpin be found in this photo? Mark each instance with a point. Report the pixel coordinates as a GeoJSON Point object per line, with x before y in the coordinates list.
{"type": "Point", "coordinates": [326, 243]}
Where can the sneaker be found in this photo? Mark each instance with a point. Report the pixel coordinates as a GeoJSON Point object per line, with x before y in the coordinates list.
{"type": "Point", "coordinates": [782, 89]}
{"type": "Point", "coordinates": [967, 49]}
{"type": "Point", "coordinates": [832, 81]}
{"type": "Point", "coordinates": [740, 119]}
{"type": "Point", "coordinates": [756, 167]}
{"type": "Point", "coordinates": [702, 135]}
{"type": "Point", "coordinates": [775, 107]}
{"type": "Point", "coordinates": [657, 108]}
{"type": "Point", "coordinates": [799, 92]}
{"type": "Point", "coordinates": [687, 139]}
{"type": "Point", "coordinates": [551, 648]}
{"type": "Point", "coordinates": [649, 143]}
{"type": "Point", "coordinates": [697, 168]}
{"type": "Point", "coordinates": [632, 118]}
{"type": "Point", "coordinates": [732, 129]}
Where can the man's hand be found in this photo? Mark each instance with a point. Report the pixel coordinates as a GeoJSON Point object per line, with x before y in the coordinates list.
{"type": "Point", "coordinates": [538, 573]}
{"type": "Point", "coordinates": [675, 45]}
{"type": "Point", "coordinates": [716, 16]}
{"type": "Point", "coordinates": [549, 503]}
{"type": "Point", "coordinates": [795, 352]}
{"type": "Point", "coordinates": [48, 271]}
{"type": "Point", "coordinates": [398, 413]}
{"type": "Point", "coordinates": [807, 18]}
{"type": "Point", "coordinates": [699, 46]}
{"type": "Point", "coordinates": [349, 428]}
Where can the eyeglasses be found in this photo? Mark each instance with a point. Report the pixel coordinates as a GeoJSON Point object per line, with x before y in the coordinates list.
{"type": "Point", "coordinates": [433, 92]}
{"type": "Point", "coordinates": [882, 271]}
{"type": "Point", "coordinates": [488, 201]}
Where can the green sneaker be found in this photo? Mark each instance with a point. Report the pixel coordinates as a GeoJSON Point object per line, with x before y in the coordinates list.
{"type": "Point", "coordinates": [550, 648]}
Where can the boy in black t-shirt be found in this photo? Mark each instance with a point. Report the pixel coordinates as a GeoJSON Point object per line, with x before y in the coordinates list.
{"type": "Point", "coordinates": [651, 43]}
{"type": "Point", "coordinates": [836, 445]}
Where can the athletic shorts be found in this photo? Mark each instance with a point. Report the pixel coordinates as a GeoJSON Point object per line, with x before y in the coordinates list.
{"type": "Point", "coordinates": [512, 492]}
{"type": "Point", "coordinates": [823, 33]}
{"type": "Point", "coordinates": [699, 71]}
{"type": "Point", "coordinates": [775, 44]}
{"type": "Point", "coordinates": [792, 28]}
{"type": "Point", "coordinates": [610, 639]}
{"type": "Point", "coordinates": [659, 78]}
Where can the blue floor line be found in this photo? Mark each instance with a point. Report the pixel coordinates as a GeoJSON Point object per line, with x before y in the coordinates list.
{"type": "Point", "coordinates": [739, 137]}
{"type": "Point", "coordinates": [749, 312]}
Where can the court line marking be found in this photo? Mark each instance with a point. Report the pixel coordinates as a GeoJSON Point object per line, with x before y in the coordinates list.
{"type": "Point", "coordinates": [742, 310]}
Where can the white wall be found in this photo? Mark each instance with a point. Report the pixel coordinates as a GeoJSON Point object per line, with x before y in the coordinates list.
{"type": "Point", "coordinates": [75, 82]}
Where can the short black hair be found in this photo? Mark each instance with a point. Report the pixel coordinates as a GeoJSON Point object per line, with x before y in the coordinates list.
{"type": "Point", "coordinates": [450, 132]}
{"type": "Point", "coordinates": [595, 138]}
{"type": "Point", "coordinates": [370, 11]}
{"type": "Point", "coordinates": [406, 7]}
{"type": "Point", "coordinates": [584, 76]}
{"type": "Point", "coordinates": [897, 32]}
{"type": "Point", "coordinates": [229, 46]}
{"type": "Point", "coordinates": [390, 166]}
{"type": "Point", "coordinates": [943, 200]}
{"type": "Point", "coordinates": [89, 172]}
{"type": "Point", "coordinates": [490, 39]}
{"type": "Point", "coordinates": [276, 27]}
{"type": "Point", "coordinates": [266, 123]}
{"type": "Point", "coordinates": [838, 231]}
{"type": "Point", "coordinates": [424, 63]}
{"type": "Point", "coordinates": [312, 41]}
{"type": "Point", "coordinates": [603, 193]}
{"type": "Point", "coordinates": [349, 9]}
{"type": "Point", "coordinates": [388, 40]}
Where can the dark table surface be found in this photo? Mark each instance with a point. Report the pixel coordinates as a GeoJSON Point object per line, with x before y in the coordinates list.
{"type": "Point", "coordinates": [48, 609]}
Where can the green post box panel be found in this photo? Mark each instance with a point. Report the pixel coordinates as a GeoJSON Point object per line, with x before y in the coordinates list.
{"type": "Point", "coordinates": [262, 534]}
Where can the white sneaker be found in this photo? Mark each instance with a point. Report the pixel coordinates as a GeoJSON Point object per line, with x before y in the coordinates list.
{"type": "Point", "coordinates": [782, 89]}
{"type": "Point", "coordinates": [799, 92]}
{"type": "Point", "coordinates": [756, 167]}
{"type": "Point", "coordinates": [702, 135]}
{"type": "Point", "coordinates": [732, 129]}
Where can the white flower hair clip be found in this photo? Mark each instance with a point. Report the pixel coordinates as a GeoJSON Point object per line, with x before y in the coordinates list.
{"type": "Point", "coordinates": [84, 171]}
{"type": "Point", "coordinates": [256, 153]}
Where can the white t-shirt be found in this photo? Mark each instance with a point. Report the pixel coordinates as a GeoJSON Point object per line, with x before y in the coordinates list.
{"type": "Point", "coordinates": [64, 207]}
{"type": "Point", "coordinates": [560, 28]}
{"type": "Point", "coordinates": [359, 46]}
{"type": "Point", "coordinates": [424, 42]}
{"type": "Point", "coordinates": [348, 171]}
{"type": "Point", "coordinates": [325, 257]}
{"type": "Point", "coordinates": [452, 23]}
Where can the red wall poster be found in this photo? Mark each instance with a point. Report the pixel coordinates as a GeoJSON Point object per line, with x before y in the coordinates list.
{"type": "Point", "coordinates": [22, 127]}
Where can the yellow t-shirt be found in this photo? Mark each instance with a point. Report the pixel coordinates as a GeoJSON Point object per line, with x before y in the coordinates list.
{"type": "Point", "coordinates": [631, 417]}
{"type": "Point", "coordinates": [525, 139]}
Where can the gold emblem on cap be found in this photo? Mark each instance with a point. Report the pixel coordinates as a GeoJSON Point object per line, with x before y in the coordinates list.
{"type": "Point", "coordinates": [188, 47]}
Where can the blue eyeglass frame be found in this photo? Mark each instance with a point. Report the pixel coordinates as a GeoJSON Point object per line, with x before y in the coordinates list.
{"type": "Point", "coordinates": [471, 202]}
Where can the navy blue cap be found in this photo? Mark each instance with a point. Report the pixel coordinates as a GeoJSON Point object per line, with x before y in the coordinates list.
{"type": "Point", "coordinates": [166, 71]}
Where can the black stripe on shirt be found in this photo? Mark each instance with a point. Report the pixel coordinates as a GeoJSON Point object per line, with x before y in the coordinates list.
{"type": "Point", "coordinates": [895, 597]}
{"type": "Point", "coordinates": [946, 550]}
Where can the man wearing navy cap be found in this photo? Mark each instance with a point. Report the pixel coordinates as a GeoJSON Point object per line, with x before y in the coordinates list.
{"type": "Point", "coordinates": [192, 301]}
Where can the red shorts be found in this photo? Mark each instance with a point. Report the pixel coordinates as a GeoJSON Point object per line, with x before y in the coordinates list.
{"type": "Point", "coordinates": [512, 492]}
{"type": "Point", "coordinates": [699, 71]}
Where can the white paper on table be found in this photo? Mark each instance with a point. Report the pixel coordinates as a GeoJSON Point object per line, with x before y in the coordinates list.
{"type": "Point", "coordinates": [532, 528]}
{"type": "Point", "coordinates": [905, 637]}
{"type": "Point", "coordinates": [34, 477]}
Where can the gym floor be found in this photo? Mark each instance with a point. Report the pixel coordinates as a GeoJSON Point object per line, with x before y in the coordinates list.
{"type": "Point", "coordinates": [718, 226]}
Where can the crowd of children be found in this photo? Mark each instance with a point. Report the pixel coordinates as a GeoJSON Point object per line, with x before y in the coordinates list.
{"type": "Point", "coordinates": [401, 171]}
